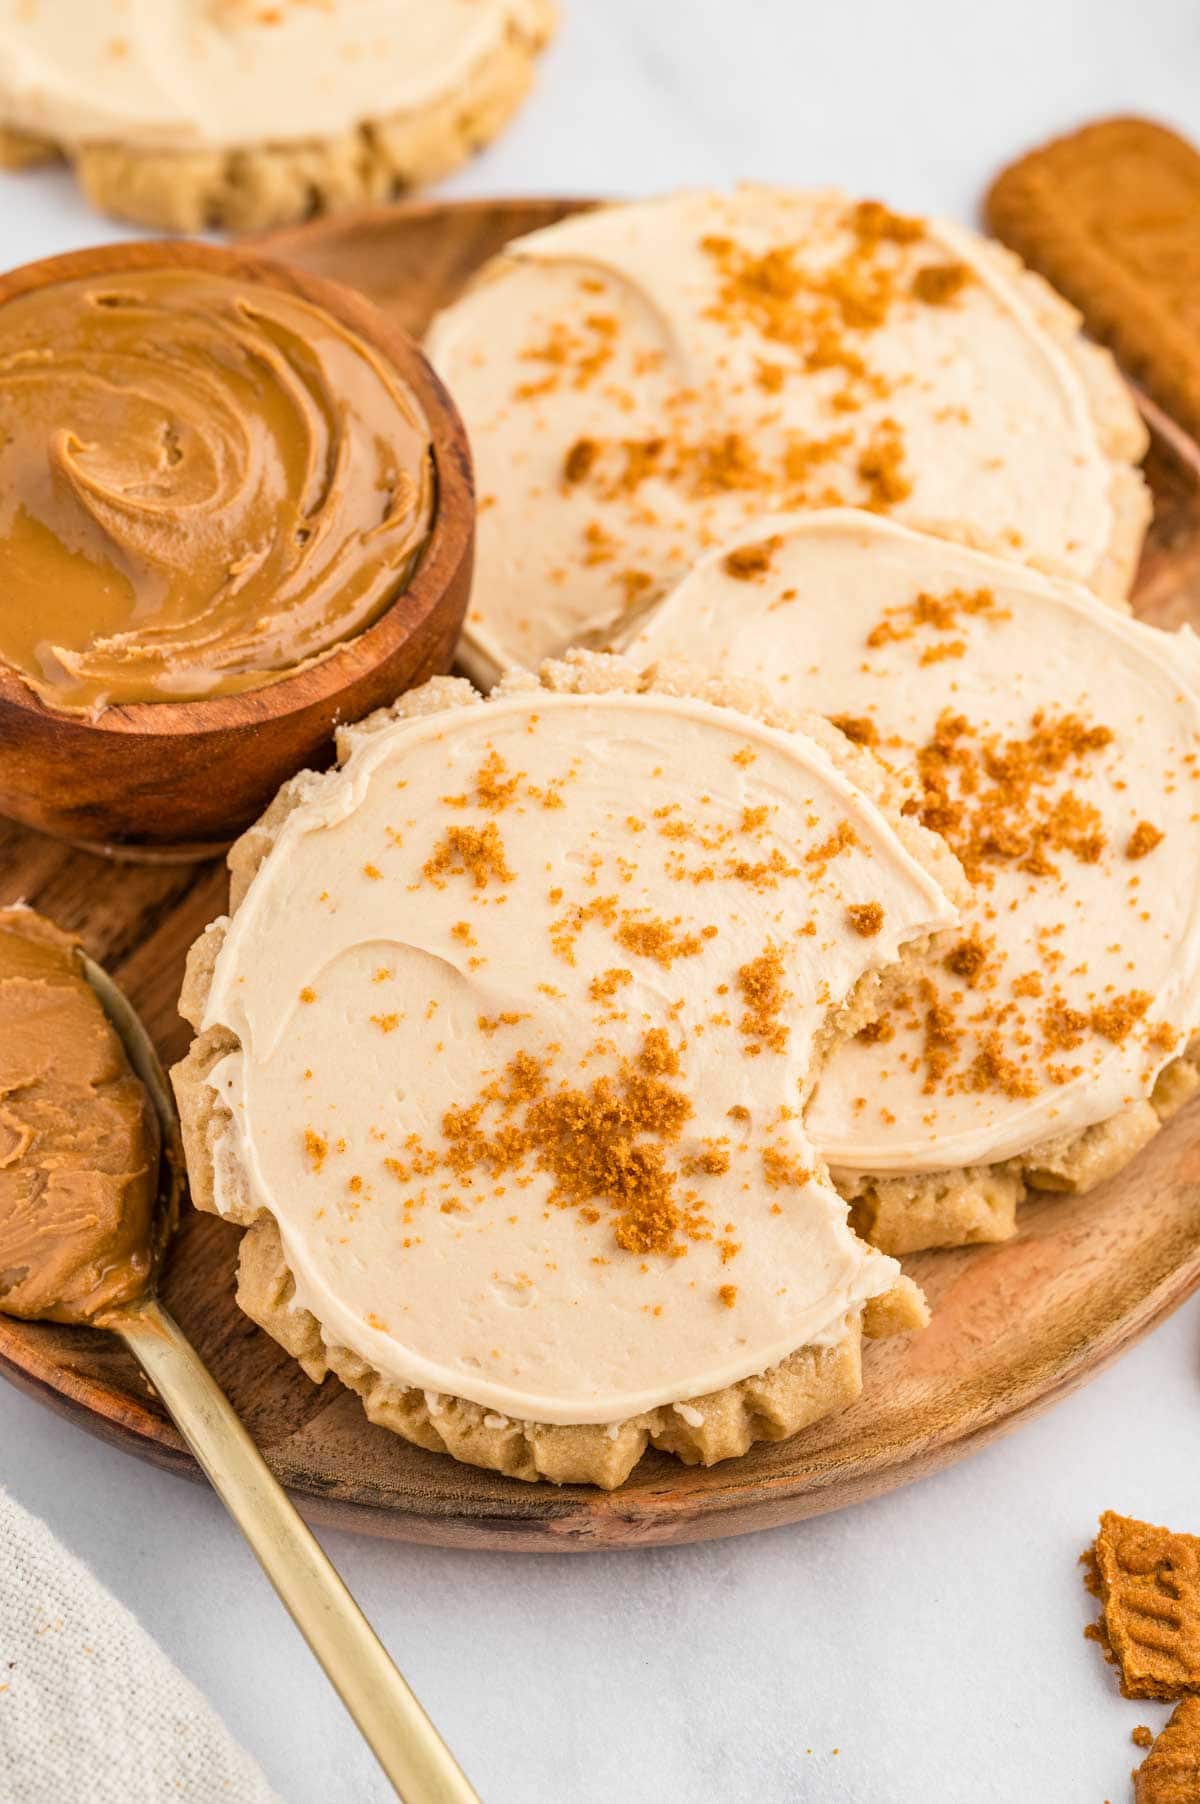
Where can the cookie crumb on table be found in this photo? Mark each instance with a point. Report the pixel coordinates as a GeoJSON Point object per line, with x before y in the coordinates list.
{"type": "Point", "coordinates": [1148, 1583]}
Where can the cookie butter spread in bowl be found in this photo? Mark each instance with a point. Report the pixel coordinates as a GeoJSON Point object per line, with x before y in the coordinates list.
{"type": "Point", "coordinates": [223, 487]}
{"type": "Point", "coordinates": [202, 486]}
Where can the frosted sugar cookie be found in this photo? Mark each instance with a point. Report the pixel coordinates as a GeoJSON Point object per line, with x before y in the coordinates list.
{"type": "Point", "coordinates": [195, 113]}
{"type": "Point", "coordinates": [502, 1057]}
{"type": "Point", "coordinates": [1056, 745]}
{"type": "Point", "coordinates": [640, 381]}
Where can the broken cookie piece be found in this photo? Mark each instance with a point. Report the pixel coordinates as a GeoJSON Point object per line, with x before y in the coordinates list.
{"type": "Point", "coordinates": [1148, 1582]}
{"type": "Point", "coordinates": [1170, 1773]}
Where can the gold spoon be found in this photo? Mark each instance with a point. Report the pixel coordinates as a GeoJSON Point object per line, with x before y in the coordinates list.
{"type": "Point", "coordinates": [395, 1727]}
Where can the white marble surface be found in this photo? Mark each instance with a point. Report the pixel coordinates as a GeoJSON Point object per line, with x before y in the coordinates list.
{"type": "Point", "coordinates": [924, 1649]}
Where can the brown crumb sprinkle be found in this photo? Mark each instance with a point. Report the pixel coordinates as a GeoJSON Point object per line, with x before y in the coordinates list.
{"type": "Point", "coordinates": [475, 852]}
{"type": "Point", "coordinates": [937, 284]}
{"type": "Point", "coordinates": [989, 800]}
{"type": "Point", "coordinates": [579, 460]}
{"type": "Point", "coordinates": [839, 841]}
{"type": "Point", "coordinates": [1142, 1737]}
{"type": "Point", "coordinates": [1117, 1019]}
{"type": "Point", "coordinates": [494, 787]}
{"type": "Point", "coordinates": [934, 613]}
{"type": "Point", "coordinates": [881, 468]}
{"type": "Point", "coordinates": [656, 939]}
{"type": "Point", "coordinates": [865, 918]}
{"type": "Point", "coordinates": [783, 1170]}
{"type": "Point", "coordinates": [604, 987]}
{"type": "Point", "coordinates": [606, 1143]}
{"type": "Point", "coordinates": [1143, 839]}
{"type": "Point", "coordinates": [747, 562]}
{"type": "Point", "coordinates": [856, 727]}
{"type": "Point", "coordinates": [762, 986]}
{"type": "Point", "coordinates": [966, 960]}
{"type": "Point", "coordinates": [490, 1024]}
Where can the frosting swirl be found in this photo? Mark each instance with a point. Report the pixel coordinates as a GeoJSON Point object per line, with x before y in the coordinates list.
{"type": "Point", "coordinates": [530, 1126]}
{"type": "Point", "coordinates": [203, 485]}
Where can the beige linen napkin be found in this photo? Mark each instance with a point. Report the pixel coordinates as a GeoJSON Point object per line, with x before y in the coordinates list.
{"type": "Point", "coordinates": [90, 1708]}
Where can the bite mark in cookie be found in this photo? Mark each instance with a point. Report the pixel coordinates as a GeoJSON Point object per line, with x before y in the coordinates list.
{"type": "Point", "coordinates": [477, 1152]}
{"type": "Point", "coordinates": [1055, 745]}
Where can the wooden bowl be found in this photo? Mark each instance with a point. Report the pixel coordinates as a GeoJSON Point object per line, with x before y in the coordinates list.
{"type": "Point", "coordinates": [179, 779]}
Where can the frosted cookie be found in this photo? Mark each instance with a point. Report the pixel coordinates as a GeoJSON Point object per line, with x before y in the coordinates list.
{"type": "Point", "coordinates": [196, 113]}
{"type": "Point", "coordinates": [503, 1052]}
{"type": "Point", "coordinates": [641, 381]}
{"type": "Point", "coordinates": [1055, 745]}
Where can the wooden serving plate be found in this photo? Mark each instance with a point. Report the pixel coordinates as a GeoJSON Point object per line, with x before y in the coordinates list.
{"type": "Point", "coordinates": [1015, 1326]}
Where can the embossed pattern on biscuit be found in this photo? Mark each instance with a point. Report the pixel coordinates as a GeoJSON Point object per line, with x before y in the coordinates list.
{"type": "Point", "coordinates": [1148, 1581]}
{"type": "Point", "coordinates": [1111, 215]}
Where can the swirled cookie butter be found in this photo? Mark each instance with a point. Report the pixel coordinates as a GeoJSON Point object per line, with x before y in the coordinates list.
{"type": "Point", "coordinates": [79, 1142]}
{"type": "Point", "coordinates": [204, 484]}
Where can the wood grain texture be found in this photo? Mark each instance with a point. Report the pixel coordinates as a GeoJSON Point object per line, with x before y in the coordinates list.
{"type": "Point", "coordinates": [1015, 1326]}
{"type": "Point", "coordinates": [193, 774]}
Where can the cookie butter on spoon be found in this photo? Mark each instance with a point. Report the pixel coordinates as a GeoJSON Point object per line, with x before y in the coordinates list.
{"type": "Point", "coordinates": [79, 1142]}
{"type": "Point", "coordinates": [205, 484]}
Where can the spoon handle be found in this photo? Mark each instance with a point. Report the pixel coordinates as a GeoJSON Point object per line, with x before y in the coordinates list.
{"type": "Point", "coordinates": [396, 1728]}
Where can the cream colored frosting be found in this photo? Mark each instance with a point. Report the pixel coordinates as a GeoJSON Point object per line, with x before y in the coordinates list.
{"type": "Point", "coordinates": [1088, 975]}
{"type": "Point", "coordinates": [640, 381]}
{"type": "Point", "coordinates": [516, 887]}
{"type": "Point", "coordinates": [195, 74]}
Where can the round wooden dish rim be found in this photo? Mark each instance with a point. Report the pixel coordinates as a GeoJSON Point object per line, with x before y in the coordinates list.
{"type": "Point", "coordinates": [583, 1518]}
{"type": "Point", "coordinates": [322, 680]}
{"type": "Point", "coordinates": [1103, 1269]}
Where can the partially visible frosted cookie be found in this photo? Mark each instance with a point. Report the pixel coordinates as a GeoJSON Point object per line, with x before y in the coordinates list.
{"type": "Point", "coordinates": [1056, 746]}
{"type": "Point", "coordinates": [503, 1054]}
{"type": "Point", "coordinates": [640, 381]}
{"type": "Point", "coordinates": [192, 113]}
